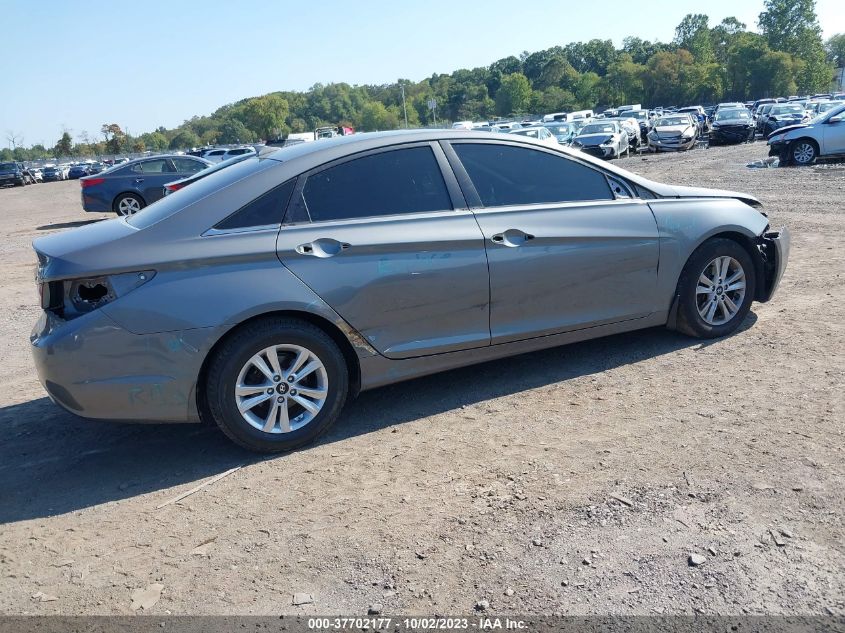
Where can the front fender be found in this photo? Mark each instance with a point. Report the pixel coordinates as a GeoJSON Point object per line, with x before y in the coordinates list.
{"type": "Point", "coordinates": [684, 224]}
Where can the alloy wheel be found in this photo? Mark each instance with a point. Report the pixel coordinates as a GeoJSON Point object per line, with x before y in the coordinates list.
{"type": "Point", "coordinates": [803, 153]}
{"type": "Point", "coordinates": [281, 388]}
{"type": "Point", "coordinates": [128, 206]}
{"type": "Point", "coordinates": [720, 291]}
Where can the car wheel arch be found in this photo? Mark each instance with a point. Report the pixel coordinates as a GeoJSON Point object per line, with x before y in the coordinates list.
{"type": "Point", "coordinates": [353, 364]}
{"type": "Point", "coordinates": [128, 192]}
{"type": "Point", "coordinates": [748, 244]}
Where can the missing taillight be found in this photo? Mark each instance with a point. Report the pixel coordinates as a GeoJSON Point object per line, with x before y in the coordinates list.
{"type": "Point", "coordinates": [92, 294]}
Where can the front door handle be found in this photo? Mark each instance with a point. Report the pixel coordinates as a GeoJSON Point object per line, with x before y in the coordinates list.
{"type": "Point", "coordinates": [511, 237]}
{"type": "Point", "coordinates": [322, 247]}
{"type": "Point", "coordinates": [139, 180]}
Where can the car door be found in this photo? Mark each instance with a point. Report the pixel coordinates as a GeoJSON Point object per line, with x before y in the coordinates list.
{"type": "Point", "coordinates": [387, 241]}
{"type": "Point", "coordinates": [149, 177]}
{"type": "Point", "coordinates": [834, 134]}
{"type": "Point", "coordinates": [565, 252]}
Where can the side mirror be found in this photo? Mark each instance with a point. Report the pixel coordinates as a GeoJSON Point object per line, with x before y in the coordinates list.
{"type": "Point", "coordinates": [836, 119]}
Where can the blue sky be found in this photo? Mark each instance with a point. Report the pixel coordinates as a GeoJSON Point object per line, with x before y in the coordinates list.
{"type": "Point", "coordinates": [145, 64]}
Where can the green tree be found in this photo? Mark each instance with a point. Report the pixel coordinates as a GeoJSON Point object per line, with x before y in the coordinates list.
{"type": "Point", "coordinates": [791, 26]}
{"type": "Point", "coordinates": [835, 47]}
{"type": "Point", "coordinates": [374, 116]}
{"type": "Point", "coordinates": [65, 145]}
{"type": "Point", "coordinates": [557, 72]}
{"type": "Point", "coordinates": [514, 95]}
{"type": "Point", "coordinates": [233, 131]}
{"type": "Point", "coordinates": [266, 115]}
{"type": "Point", "coordinates": [185, 140]}
{"type": "Point", "coordinates": [693, 34]}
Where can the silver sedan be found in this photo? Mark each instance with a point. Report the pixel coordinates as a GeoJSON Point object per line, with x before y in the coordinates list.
{"type": "Point", "coordinates": [266, 295]}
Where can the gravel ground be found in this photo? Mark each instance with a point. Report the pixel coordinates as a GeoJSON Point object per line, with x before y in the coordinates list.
{"type": "Point", "coordinates": [581, 480]}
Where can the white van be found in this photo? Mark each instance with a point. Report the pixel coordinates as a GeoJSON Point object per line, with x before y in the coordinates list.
{"type": "Point", "coordinates": [555, 116]}
{"type": "Point", "coordinates": [584, 115]}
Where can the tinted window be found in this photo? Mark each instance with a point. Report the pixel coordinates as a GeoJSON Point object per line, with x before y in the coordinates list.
{"type": "Point", "coordinates": [188, 166]}
{"type": "Point", "coordinates": [157, 166]}
{"type": "Point", "coordinates": [505, 175]}
{"type": "Point", "coordinates": [398, 181]}
{"type": "Point", "coordinates": [267, 209]}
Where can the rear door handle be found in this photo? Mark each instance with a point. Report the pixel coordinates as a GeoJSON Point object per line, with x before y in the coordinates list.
{"type": "Point", "coordinates": [511, 237]}
{"type": "Point", "coordinates": [322, 247]}
{"type": "Point", "coordinates": [139, 180]}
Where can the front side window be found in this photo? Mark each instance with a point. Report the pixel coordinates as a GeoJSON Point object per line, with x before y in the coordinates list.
{"type": "Point", "coordinates": [392, 182]}
{"type": "Point", "coordinates": [266, 210]}
{"type": "Point", "coordinates": [158, 166]}
{"type": "Point", "coordinates": [507, 175]}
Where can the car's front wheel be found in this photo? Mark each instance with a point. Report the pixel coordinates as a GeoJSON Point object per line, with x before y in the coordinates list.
{"type": "Point", "coordinates": [803, 152]}
{"type": "Point", "coordinates": [716, 289]}
{"type": "Point", "coordinates": [276, 384]}
{"type": "Point", "coordinates": [128, 204]}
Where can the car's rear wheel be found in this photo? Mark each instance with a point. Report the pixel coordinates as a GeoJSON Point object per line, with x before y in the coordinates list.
{"type": "Point", "coordinates": [803, 152]}
{"type": "Point", "coordinates": [128, 204]}
{"type": "Point", "coordinates": [716, 289]}
{"type": "Point", "coordinates": [276, 384]}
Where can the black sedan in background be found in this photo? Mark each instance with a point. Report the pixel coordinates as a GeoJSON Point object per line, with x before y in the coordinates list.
{"type": "Point", "coordinates": [78, 171]}
{"type": "Point", "coordinates": [732, 126]}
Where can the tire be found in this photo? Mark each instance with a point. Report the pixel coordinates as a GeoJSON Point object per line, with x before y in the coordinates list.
{"type": "Point", "coordinates": [128, 204]}
{"type": "Point", "coordinates": [695, 306]}
{"type": "Point", "coordinates": [232, 365]}
{"type": "Point", "coordinates": [803, 152]}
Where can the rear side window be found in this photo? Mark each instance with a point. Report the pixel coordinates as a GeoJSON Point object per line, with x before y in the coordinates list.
{"type": "Point", "coordinates": [188, 166]}
{"type": "Point", "coordinates": [265, 210]}
{"type": "Point", "coordinates": [507, 175]}
{"type": "Point", "coordinates": [387, 183]}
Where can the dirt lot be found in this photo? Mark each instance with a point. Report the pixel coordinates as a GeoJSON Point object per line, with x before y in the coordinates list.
{"type": "Point", "coordinates": [577, 480]}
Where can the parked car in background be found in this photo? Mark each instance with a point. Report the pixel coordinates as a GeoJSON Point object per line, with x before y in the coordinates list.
{"type": "Point", "coordinates": [564, 132]}
{"type": "Point", "coordinates": [270, 293]}
{"type": "Point", "coordinates": [538, 133]}
{"type": "Point", "coordinates": [78, 171]}
{"type": "Point", "coordinates": [782, 115]}
{"type": "Point", "coordinates": [602, 139]}
{"type": "Point", "coordinates": [631, 127]}
{"type": "Point", "coordinates": [14, 173]}
{"type": "Point", "coordinates": [176, 185]}
{"type": "Point", "coordinates": [762, 114]}
{"type": "Point", "coordinates": [699, 117]}
{"type": "Point", "coordinates": [96, 168]}
{"type": "Point", "coordinates": [53, 172]}
{"type": "Point", "coordinates": [126, 189]}
{"type": "Point", "coordinates": [37, 174]}
{"type": "Point", "coordinates": [815, 108]}
{"type": "Point", "coordinates": [643, 119]}
{"type": "Point", "coordinates": [803, 143]}
{"type": "Point", "coordinates": [220, 154]}
{"type": "Point", "coordinates": [732, 126]}
{"type": "Point", "coordinates": [673, 133]}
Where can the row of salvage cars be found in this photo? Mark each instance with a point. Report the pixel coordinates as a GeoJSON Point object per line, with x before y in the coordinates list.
{"type": "Point", "coordinates": [268, 293]}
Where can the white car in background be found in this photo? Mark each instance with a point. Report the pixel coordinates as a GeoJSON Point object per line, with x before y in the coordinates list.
{"type": "Point", "coordinates": [538, 133]}
{"type": "Point", "coordinates": [803, 143]}
{"type": "Point", "coordinates": [219, 154]}
{"type": "Point", "coordinates": [673, 133]}
{"type": "Point", "coordinates": [602, 138]}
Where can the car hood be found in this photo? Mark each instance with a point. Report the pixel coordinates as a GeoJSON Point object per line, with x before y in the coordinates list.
{"type": "Point", "coordinates": [672, 130]}
{"type": "Point", "coordinates": [588, 140]}
{"type": "Point", "coordinates": [789, 128]}
{"type": "Point", "coordinates": [722, 122]}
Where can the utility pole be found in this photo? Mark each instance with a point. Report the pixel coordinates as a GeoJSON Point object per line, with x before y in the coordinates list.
{"type": "Point", "coordinates": [404, 108]}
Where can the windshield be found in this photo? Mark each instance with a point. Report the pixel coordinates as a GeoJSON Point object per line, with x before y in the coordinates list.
{"type": "Point", "coordinates": [598, 128]}
{"type": "Point", "coordinates": [733, 114]}
{"type": "Point", "coordinates": [637, 114]}
{"type": "Point", "coordinates": [7, 166]}
{"type": "Point", "coordinates": [672, 120]}
{"type": "Point", "coordinates": [561, 129]}
{"type": "Point", "coordinates": [787, 109]}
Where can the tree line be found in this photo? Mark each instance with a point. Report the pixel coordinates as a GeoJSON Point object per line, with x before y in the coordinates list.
{"type": "Point", "coordinates": [702, 64]}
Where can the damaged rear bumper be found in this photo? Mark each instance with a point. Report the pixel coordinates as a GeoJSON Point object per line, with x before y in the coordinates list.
{"type": "Point", "coordinates": [774, 251]}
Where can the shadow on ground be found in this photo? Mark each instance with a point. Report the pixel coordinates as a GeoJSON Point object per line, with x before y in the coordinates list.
{"type": "Point", "coordinates": [66, 225]}
{"type": "Point", "coordinates": [52, 462]}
